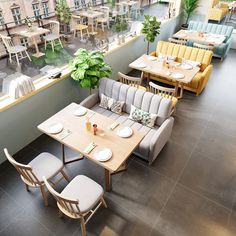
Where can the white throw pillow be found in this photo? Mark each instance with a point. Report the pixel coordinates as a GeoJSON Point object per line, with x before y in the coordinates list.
{"type": "Point", "coordinates": [111, 104]}
{"type": "Point", "coordinates": [142, 117]}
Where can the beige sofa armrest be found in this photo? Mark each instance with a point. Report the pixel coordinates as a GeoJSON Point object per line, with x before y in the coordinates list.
{"type": "Point", "coordinates": [90, 101]}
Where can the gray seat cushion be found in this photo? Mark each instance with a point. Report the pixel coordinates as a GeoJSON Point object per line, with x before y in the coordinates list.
{"type": "Point", "coordinates": [84, 189]}
{"type": "Point", "coordinates": [50, 37]}
{"type": "Point", "coordinates": [45, 164]}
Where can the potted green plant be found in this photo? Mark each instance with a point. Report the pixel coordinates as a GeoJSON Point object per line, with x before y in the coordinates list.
{"type": "Point", "coordinates": [63, 13]}
{"type": "Point", "coordinates": [151, 28]}
{"type": "Point", "coordinates": [29, 24]}
{"type": "Point", "coordinates": [88, 67]}
{"type": "Point", "coordinates": [189, 7]}
{"type": "Point", "coordinates": [119, 27]}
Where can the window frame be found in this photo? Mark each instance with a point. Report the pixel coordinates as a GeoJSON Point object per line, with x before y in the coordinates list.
{"type": "Point", "coordinates": [45, 7]}
{"type": "Point", "coordinates": [36, 10]}
{"type": "Point", "coordinates": [16, 14]}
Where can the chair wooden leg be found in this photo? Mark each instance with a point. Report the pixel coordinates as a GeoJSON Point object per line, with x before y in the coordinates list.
{"type": "Point", "coordinates": [27, 187]}
{"type": "Point", "coordinates": [60, 213]}
{"type": "Point", "coordinates": [45, 44]}
{"type": "Point", "coordinates": [10, 59]}
{"type": "Point", "coordinates": [81, 34]}
{"type": "Point", "coordinates": [27, 54]}
{"type": "Point", "coordinates": [60, 42]}
{"type": "Point", "coordinates": [44, 195]}
{"type": "Point", "coordinates": [103, 202]}
{"type": "Point", "coordinates": [52, 44]}
{"type": "Point", "coordinates": [83, 227]}
{"type": "Point", "coordinates": [17, 59]}
{"type": "Point", "coordinates": [65, 176]}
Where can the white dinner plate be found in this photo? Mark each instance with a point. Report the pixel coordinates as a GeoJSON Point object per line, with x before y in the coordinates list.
{"type": "Point", "coordinates": [177, 76]}
{"type": "Point", "coordinates": [55, 128]}
{"type": "Point", "coordinates": [151, 58]}
{"type": "Point", "coordinates": [81, 111]}
{"type": "Point", "coordinates": [186, 67]}
{"type": "Point", "coordinates": [103, 154]}
{"type": "Point", "coordinates": [140, 65]}
{"type": "Point", "coordinates": [125, 132]}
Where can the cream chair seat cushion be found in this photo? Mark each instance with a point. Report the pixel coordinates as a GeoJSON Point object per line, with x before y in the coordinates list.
{"type": "Point", "coordinates": [45, 164]}
{"type": "Point", "coordinates": [50, 37]}
{"type": "Point", "coordinates": [85, 190]}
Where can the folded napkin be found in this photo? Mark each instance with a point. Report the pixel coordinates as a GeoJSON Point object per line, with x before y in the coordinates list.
{"type": "Point", "coordinates": [113, 125]}
{"type": "Point", "coordinates": [90, 147]}
{"type": "Point", "coordinates": [65, 133]}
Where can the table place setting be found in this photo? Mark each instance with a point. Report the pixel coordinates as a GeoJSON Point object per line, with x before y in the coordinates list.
{"type": "Point", "coordinates": [80, 111]}
{"type": "Point", "coordinates": [177, 75]}
{"type": "Point", "coordinates": [90, 147]}
{"type": "Point", "coordinates": [103, 154]}
{"type": "Point", "coordinates": [113, 125]}
{"type": "Point", "coordinates": [125, 132]}
{"type": "Point", "coordinates": [186, 66]}
{"type": "Point", "coordinates": [58, 128]}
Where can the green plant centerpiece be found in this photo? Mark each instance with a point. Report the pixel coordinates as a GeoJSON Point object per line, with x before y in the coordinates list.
{"type": "Point", "coordinates": [189, 7]}
{"type": "Point", "coordinates": [151, 28]}
{"type": "Point", "coordinates": [88, 67]}
{"type": "Point", "coordinates": [29, 24]}
{"type": "Point", "coordinates": [63, 13]}
{"type": "Point", "coordinates": [120, 26]}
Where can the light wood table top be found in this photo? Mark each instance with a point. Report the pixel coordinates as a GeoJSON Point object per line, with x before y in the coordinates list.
{"type": "Point", "coordinates": [205, 38]}
{"type": "Point", "coordinates": [91, 14]}
{"type": "Point", "coordinates": [80, 138]}
{"type": "Point", "coordinates": [156, 68]}
{"type": "Point", "coordinates": [34, 33]}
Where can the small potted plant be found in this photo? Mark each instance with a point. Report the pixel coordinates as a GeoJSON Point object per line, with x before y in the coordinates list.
{"type": "Point", "coordinates": [189, 7]}
{"type": "Point", "coordinates": [119, 27]}
{"type": "Point", "coordinates": [29, 24]}
{"type": "Point", "coordinates": [63, 14]}
{"type": "Point", "coordinates": [151, 28]}
{"type": "Point", "coordinates": [88, 67]}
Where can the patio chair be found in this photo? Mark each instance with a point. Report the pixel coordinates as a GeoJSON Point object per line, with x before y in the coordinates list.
{"type": "Point", "coordinates": [178, 41]}
{"type": "Point", "coordinates": [78, 26]}
{"type": "Point", "coordinates": [14, 50]}
{"type": "Point", "coordinates": [45, 164]}
{"type": "Point", "coordinates": [164, 92]}
{"type": "Point", "coordinates": [54, 36]}
{"type": "Point", "coordinates": [104, 19]}
{"type": "Point", "coordinates": [80, 199]}
{"type": "Point", "coordinates": [203, 46]}
{"type": "Point", "coordinates": [131, 81]}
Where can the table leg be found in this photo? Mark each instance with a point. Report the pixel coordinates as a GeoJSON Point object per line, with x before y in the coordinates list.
{"type": "Point", "coordinates": [107, 180]}
{"type": "Point", "coordinates": [181, 90]}
{"type": "Point", "coordinates": [70, 160]}
{"type": "Point", "coordinates": [176, 88]}
{"type": "Point", "coordinates": [38, 53]}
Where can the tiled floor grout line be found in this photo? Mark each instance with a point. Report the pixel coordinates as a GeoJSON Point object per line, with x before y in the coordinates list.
{"type": "Point", "coordinates": [181, 172]}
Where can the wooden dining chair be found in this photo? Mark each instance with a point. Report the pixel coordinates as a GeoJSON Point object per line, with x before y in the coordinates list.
{"type": "Point", "coordinates": [80, 199]}
{"type": "Point", "coordinates": [164, 92]}
{"type": "Point", "coordinates": [45, 164]}
{"type": "Point", "coordinates": [203, 46]}
{"type": "Point", "coordinates": [104, 19]}
{"type": "Point", "coordinates": [53, 37]}
{"type": "Point", "coordinates": [16, 51]}
{"type": "Point", "coordinates": [178, 41]}
{"type": "Point", "coordinates": [78, 26]}
{"type": "Point", "coordinates": [131, 81]}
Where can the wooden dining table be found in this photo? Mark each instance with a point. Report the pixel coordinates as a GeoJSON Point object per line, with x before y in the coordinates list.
{"type": "Point", "coordinates": [78, 138]}
{"type": "Point", "coordinates": [152, 65]}
{"type": "Point", "coordinates": [33, 35]}
{"type": "Point", "coordinates": [200, 37]}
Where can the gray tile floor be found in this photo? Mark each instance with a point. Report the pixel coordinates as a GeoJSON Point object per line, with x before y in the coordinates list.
{"type": "Point", "coordinates": [188, 191]}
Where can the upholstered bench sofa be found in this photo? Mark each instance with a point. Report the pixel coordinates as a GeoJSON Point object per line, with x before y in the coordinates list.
{"type": "Point", "coordinates": [155, 137]}
{"type": "Point", "coordinates": [187, 53]}
{"type": "Point", "coordinates": [218, 10]}
{"type": "Point", "coordinates": [221, 50]}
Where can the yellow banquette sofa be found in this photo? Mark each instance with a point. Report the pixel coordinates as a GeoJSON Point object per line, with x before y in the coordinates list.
{"type": "Point", "coordinates": [187, 53]}
{"type": "Point", "coordinates": [218, 10]}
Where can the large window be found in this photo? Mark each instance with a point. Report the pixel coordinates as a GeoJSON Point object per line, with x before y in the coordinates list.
{"type": "Point", "coordinates": [1, 18]}
{"type": "Point", "coordinates": [45, 8]}
{"type": "Point", "coordinates": [36, 9]}
{"type": "Point", "coordinates": [76, 2]}
{"type": "Point", "coordinates": [16, 15]}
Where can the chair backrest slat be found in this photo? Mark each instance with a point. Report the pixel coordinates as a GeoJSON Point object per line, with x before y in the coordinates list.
{"type": "Point", "coordinates": [7, 41]}
{"type": "Point", "coordinates": [129, 80]}
{"type": "Point", "coordinates": [55, 27]}
{"type": "Point", "coordinates": [69, 205]}
{"type": "Point", "coordinates": [24, 170]}
{"type": "Point", "coordinates": [178, 41]}
{"type": "Point", "coordinates": [162, 91]}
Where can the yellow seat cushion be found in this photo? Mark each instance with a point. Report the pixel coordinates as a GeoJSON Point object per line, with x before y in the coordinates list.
{"type": "Point", "coordinates": [139, 87]}
{"type": "Point", "coordinates": [81, 27]}
{"type": "Point", "coordinates": [173, 99]}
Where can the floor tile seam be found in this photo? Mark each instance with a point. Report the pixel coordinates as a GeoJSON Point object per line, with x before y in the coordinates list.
{"type": "Point", "coordinates": [154, 170]}
{"type": "Point", "coordinates": [205, 197]}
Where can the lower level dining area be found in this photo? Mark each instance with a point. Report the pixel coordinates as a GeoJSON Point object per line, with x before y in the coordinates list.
{"type": "Point", "coordinates": [188, 190]}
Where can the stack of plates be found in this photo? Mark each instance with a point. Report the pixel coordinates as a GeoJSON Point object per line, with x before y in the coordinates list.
{"type": "Point", "coordinates": [139, 65]}
{"type": "Point", "coordinates": [186, 67]}
{"type": "Point", "coordinates": [81, 111]}
{"type": "Point", "coordinates": [103, 154]}
{"type": "Point", "coordinates": [55, 128]}
{"type": "Point", "coordinates": [151, 58]}
{"type": "Point", "coordinates": [125, 132]}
